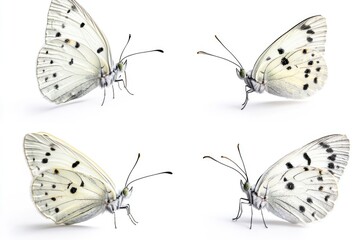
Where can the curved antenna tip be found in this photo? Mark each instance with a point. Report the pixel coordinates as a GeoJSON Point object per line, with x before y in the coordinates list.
{"type": "Point", "coordinates": [168, 172]}
{"type": "Point", "coordinates": [206, 157]}
{"type": "Point", "coordinates": [129, 35]}
{"type": "Point", "coordinates": [159, 50]}
{"type": "Point", "coordinates": [200, 52]}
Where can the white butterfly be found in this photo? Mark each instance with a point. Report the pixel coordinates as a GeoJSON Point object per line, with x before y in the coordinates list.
{"type": "Point", "coordinates": [76, 57]}
{"type": "Point", "coordinates": [293, 66]}
{"type": "Point", "coordinates": [68, 187]}
{"type": "Point", "coordinates": [302, 186]}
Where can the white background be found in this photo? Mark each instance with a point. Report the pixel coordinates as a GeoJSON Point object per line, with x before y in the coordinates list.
{"type": "Point", "coordinates": [185, 106]}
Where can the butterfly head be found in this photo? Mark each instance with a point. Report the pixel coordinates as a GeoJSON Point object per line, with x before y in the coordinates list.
{"type": "Point", "coordinates": [121, 66]}
{"type": "Point", "coordinates": [126, 192]}
{"type": "Point", "coordinates": [245, 187]}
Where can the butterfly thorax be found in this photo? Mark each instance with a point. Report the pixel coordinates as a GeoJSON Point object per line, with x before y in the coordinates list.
{"type": "Point", "coordinates": [107, 79]}
{"type": "Point", "coordinates": [253, 84]}
{"type": "Point", "coordinates": [257, 201]}
{"type": "Point", "coordinates": [254, 199]}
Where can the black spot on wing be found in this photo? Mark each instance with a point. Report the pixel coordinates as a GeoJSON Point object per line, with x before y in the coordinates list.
{"type": "Point", "coordinates": [75, 164]}
{"type": "Point", "coordinates": [289, 165]}
{"type": "Point", "coordinates": [307, 158]}
{"type": "Point", "coordinates": [331, 165]}
{"type": "Point", "coordinates": [284, 61]}
{"type": "Point", "coordinates": [305, 27]}
{"type": "Point", "coordinates": [302, 208]}
{"type": "Point", "coordinates": [310, 31]}
{"type": "Point", "coordinates": [100, 50]}
{"type": "Point", "coordinates": [306, 86]}
{"type": "Point", "coordinates": [290, 186]}
{"type": "Point", "coordinates": [73, 190]}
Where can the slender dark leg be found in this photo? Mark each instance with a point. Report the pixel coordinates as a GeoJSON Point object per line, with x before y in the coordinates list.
{"type": "Point", "coordinates": [114, 220]}
{"type": "Point", "coordinates": [251, 219]}
{"type": "Point", "coordinates": [104, 97]}
{"type": "Point", "coordinates": [127, 207]}
{"type": "Point", "coordinates": [262, 215]}
{"type": "Point", "coordinates": [125, 83]}
{"type": "Point", "coordinates": [240, 211]}
{"type": "Point", "coordinates": [112, 85]}
{"type": "Point", "coordinates": [247, 90]}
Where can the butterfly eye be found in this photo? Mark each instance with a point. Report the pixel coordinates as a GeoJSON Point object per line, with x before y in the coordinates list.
{"type": "Point", "coordinates": [240, 73]}
{"type": "Point", "coordinates": [246, 186]}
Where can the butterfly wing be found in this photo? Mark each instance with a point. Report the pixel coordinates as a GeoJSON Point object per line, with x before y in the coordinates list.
{"type": "Point", "coordinates": [45, 152]}
{"type": "Point", "coordinates": [75, 54]}
{"type": "Point", "coordinates": [68, 197]}
{"type": "Point", "coordinates": [65, 72]}
{"type": "Point", "coordinates": [302, 196]}
{"type": "Point", "coordinates": [329, 152]}
{"type": "Point", "coordinates": [326, 156]}
{"type": "Point", "coordinates": [293, 65]}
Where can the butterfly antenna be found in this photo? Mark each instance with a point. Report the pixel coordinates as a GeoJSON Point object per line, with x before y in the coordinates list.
{"type": "Point", "coordinates": [132, 170]}
{"type": "Point", "coordinates": [151, 175]}
{"type": "Point", "coordinates": [225, 165]}
{"type": "Point", "coordinates": [229, 52]}
{"type": "Point", "coordinates": [236, 165]}
{"type": "Point", "coordinates": [125, 47]}
{"type": "Point", "coordinates": [155, 50]}
{"type": "Point", "coordinates": [242, 160]}
{"type": "Point", "coordinates": [209, 54]}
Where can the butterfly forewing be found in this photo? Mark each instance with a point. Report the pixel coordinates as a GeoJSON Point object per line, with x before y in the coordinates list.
{"type": "Point", "coordinates": [75, 56]}
{"type": "Point", "coordinates": [46, 152]}
{"type": "Point", "coordinates": [301, 195]}
{"type": "Point", "coordinates": [329, 152]}
{"type": "Point", "coordinates": [68, 197]}
{"type": "Point", "coordinates": [289, 65]}
{"type": "Point", "coordinates": [68, 20]}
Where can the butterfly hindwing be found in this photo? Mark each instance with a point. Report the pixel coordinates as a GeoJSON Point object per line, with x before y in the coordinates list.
{"type": "Point", "coordinates": [283, 65]}
{"type": "Point", "coordinates": [68, 197]}
{"type": "Point", "coordinates": [65, 72]}
{"type": "Point", "coordinates": [301, 194]}
{"type": "Point", "coordinates": [46, 152]}
{"type": "Point", "coordinates": [296, 74]}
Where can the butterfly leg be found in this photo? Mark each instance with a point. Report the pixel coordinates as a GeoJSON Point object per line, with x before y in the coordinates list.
{"type": "Point", "coordinates": [240, 211]}
{"type": "Point", "coordinates": [247, 91]}
{"type": "Point", "coordinates": [113, 91]}
{"type": "Point", "coordinates": [125, 83]}
{"type": "Point", "coordinates": [251, 219]}
{"type": "Point", "coordinates": [127, 207]}
{"type": "Point", "coordinates": [262, 215]}
{"type": "Point", "coordinates": [104, 97]}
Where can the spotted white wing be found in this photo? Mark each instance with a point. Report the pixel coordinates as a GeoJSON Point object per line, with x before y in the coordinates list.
{"type": "Point", "coordinates": [68, 187]}
{"type": "Point", "coordinates": [326, 156]}
{"type": "Point", "coordinates": [46, 152]}
{"type": "Point", "coordinates": [75, 54]}
{"type": "Point", "coordinates": [293, 66]}
{"type": "Point", "coordinates": [301, 196]}
{"type": "Point", "coordinates": [69, 197]}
